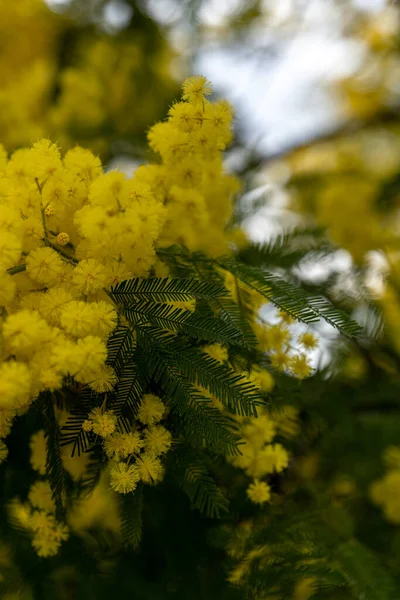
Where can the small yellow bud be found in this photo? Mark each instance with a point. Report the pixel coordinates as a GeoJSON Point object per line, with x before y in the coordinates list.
{"type": "Point", "coordinates": [62, 239]}
{"type": "Point", "coordinates": [49, 211]}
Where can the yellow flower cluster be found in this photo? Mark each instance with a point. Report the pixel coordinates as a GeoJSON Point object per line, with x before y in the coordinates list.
{"type": "Point", "coordinates": [56, 316]}
{"type": "Point", "coordinates": [37, 516]}
{"type": "Point", "coordinates": [98, 91]}
{"type": "Point", "coordinates": [259, 456]}
{"type": "Point", "coordinates": [376, 82]}
{"type": "Point", "coordinates": [29, 33]}
{"type": "Point", "coordinates": [385, 492]}
{"type": "Point", "coordinates": [190, 179]}
{"type": "Point", "coordinates": [340, 181]}
{"type": "Point", "coordinates": [136, 455]}
{"type": "Point", "coordinates": [97, 87]}
{"type": "Point", "coordinates": [286, 354]}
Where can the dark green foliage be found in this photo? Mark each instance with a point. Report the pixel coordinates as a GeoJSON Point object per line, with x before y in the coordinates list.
{"type": "Point", "coordinates": [236, 392]}
{"type": "Point", "coordinates": [286, 296]}
{"type": "Point", "coordinates": [157, 289]}
{"type": "Point", "coordinates": [292, 299]}
{"type": "Point", "coordinates": [119, 348]}
{"type": "Point", "coordinates": [132, 517]}
{"type": "Point", "coordinates": [158, 348]}
{"type": "Point", "coordinates": [202, 422]}
{"type": "Point", "coordinates": [72, 432]}
{"type": "Point", "coordinates": [180, 320]}
{"type": "Point", "coordinates": [54, 468]}
{"type": "Point", "coordinates": [235, 315]}
{"type": "Point", "coordinates": [287, 249]}
{"type": "Point", "coordinates": [193, 477]}
{"type": "Point", "coordinates": [363, 573]}
{"type": "Point", "coordinates": [129, 390]}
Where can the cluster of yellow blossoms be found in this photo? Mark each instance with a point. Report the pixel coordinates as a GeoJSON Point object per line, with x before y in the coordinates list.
{"type": "Point", "coordinates": [376, 82]}
{"type": "Point", "coordinates": [37, 517]}
{"type": "Point", "coordinates": [386, 491]}
{"type": "Point", "coordinates": [259, 457]}
{"type": "Point", "coordinates": [191, 179]}
{"type": "Point", "coordinates": [135, 455]}
{"type": "Point", "coordinates": [97, 85]}
{"type": "Point", "coordinates": [68, 232]}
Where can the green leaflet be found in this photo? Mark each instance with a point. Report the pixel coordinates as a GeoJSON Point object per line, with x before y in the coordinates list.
{"type": "Point", "coordinates": [299, 304]}
{"type": "Point", "coordinates": [364, 574]}
{"type": "Point", "coordinates": [119, 348]}
{"type": "Point", "coordinates": [54, 467]}
{"type": "Point", "coordinates": [202, 422]}
{"type": "Point", "coordinates": [193, 477]}
{"type": "Point", "coordinates": [157, 289]}
{"type": "Point", "coordinates": [234, 390]}
{"type": "Point", "coordinates": [180, 320]}
{"type": "Point", "coordinates": [288, 297]}
{"type": "Point", "coordinates": [131, 509]}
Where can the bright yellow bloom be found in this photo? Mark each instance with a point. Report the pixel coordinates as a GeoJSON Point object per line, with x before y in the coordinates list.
{"type": "Point", "coordinates": [308, 340]}
{"type": "Point", "coordinates": [259, 492]}
{"type": "Point", "coordinates": [44, 265]}
{"type": "Point", "coordinates": [124, 478]}
{"type": "Point", "coordinates": [10, 250]}
{"type": "Point", "coordinates": [89, 276]}
{"type": "Point", "coordinates": [62, 238]}
{"type": "Point", "coordinates": [52, 302]}
{"type": "Point", "coordinates": [104, 381]}
{"type": "Point", "coordinates": [151, 410]}
{"type": "Point", "coordinates": [41, 496]}
{"type": "Point", "coordinates": [150, 468]}
{"type": "Point", "coordinates": [38, 447]}
{"type": "Point", "coordinates": [157, 440]}
{"type": "Point", "coordinates": [24, 331]}
{"type": "Point", "coordinates": [217, 351]}
{"type": "Point", "coordinates": [83, 163]}
{"type": "Point", "coordinates": [195, 89]}
{"type": "Point", "coordinates": [91, 354]}
{"type": "Point", "coordinates": [7, 289]}
{"type": "Point", "coordinates": [15, 385]}
{"type": "Point", "coordinates": [259, 431]}
{"type": "Point", "coordinates": [102, 423]}
{"type": "Point", "coordinates": [47, 541]}
{"type": "Point", "coordinates": [263, 379]}
{"type": "Point", "coordinates": [80, 318]}
{"type": "Point", "coordinates": [42, 519]}
{"type": "Point", "coordinates": [3, 451]}
{"type": "Point", "coordinates": [300, 366]}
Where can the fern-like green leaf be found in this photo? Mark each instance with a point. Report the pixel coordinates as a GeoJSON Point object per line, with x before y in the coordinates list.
{"type": "Point", "coordinates": [72, 432]}
{"type": "Point", "coordinates": [234, 390]}
{"type": "Point", "coordinates": [180, 320]}
{"type": "Point", "coordinates": [230, 312]}
{"type": "Point", "coordinates": [364, 574]}
{"type": "Point", "coordinates": [286, 249]}
{"type": "Point", "coordinates": [119, 348]}
{"type": "Point", "coordinates": [193, 477]}
{"type": "Point", "coordinates": [129, 390]}
{"type": "Point", "coordinates": [292, 299]}
{"type": "Point", "coordinates": [132, 517]}
{"type": "Point", "coordinates": [201, 421]}
{"type": "Point", "coordinates": [157, 289]}
{"type": "Point", "coordinates": [54, 468]}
